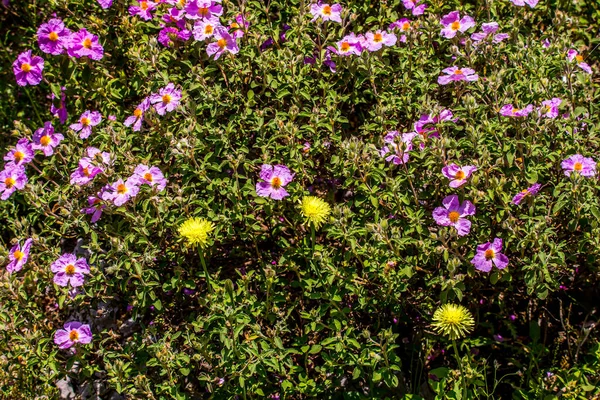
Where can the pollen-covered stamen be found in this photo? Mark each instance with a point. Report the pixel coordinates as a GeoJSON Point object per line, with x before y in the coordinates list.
{"type": "Point", "coordinates": [345, 47]}
{"type": "Point", "coordinates": [166, 99]}
{"type": "Point", "coordinates": [138, 112]}
{"type": "Point", "coordinates": [122, 189]}
{"type": "Point", "coordinates": [208, 30]}
{"type": "Point", "coordinates": [87, 43]}
{"type": "Point", "coordinates": [18, 255]}
{"type": "Point", "coordinates": [86, 172]}
{"type": "Point", "coordinates": [70, 270]}
{"type": "Point", "coordinates": [490, 254]}
{"type": "Point", "coordinates": [455, 26]}
{"type": "Point", "coordinates": [276, 182]}
{"type": "Point", "coordinates": [453, 216]}
{"type": "Point", "coordinates": [18, 156]}
{"type": "Point", "coordinates": [45, 140]}
{"type": "Point", "coordinates": [9, 182]}
{"type": "Point", "coordinates": [405, 26]}
{"type": "Point", "coordinates": [222, 43]}
{"type": "Point", "coordinates": [458, 72]}
{"type": "Point", "coordinates": [25, 67]}
{"type": "Point", "coordinates": [525, 191]}
{"type": "Point", "coordinates": [148, 176]}
{"type": "Point", "coordinates": [203, 11]}
{"type": "Point", "coordinates": [144, 5]}
{"type": "Point", "coordinates": [85, 121]}
{"type": "Point", "coordinates": [577, 166]}
{"type": "Point", "coordinates": [378, 37]}
{"type": "Point", "coordinates": [460, 174]}
{"type": "Point", "coordinates": [327, 10]}
{"type": "Point", "coordinates": [515, 110]}
{"type": "Point", "coordinates": [579, 58]}
{"type": "Point", "coordinates": [73, 335]}
{"type": "Point", "coordinates": [53, 36]}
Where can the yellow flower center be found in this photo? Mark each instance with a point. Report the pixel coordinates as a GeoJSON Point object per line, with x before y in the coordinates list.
{"type": "Point", "coordinates": [458, 72]}
{"type": "Point", "coordinates": [525, 191]}
{"type": "Point", "coordinates": [53, 36]}
{"type": "Point", "coordinates": [86, 172]}
{"type": "Point", "coordinates": [378, 37]}
{"type": "Point", "coordinates": [405, 26]}
{"type": "Point", "coordinates": [144, 5]}
{"type": "Point", "coordinates": [45, 140]}
{"type": "Point", "coordinates": [9, 182]}
{"type": "Point", "coordinates": [87, 43]}
{"type": "Point", "coordinates": [121, 188]}
{"type": "Point", "coordinates": [345, 46]}
{"type": "Point", "coordinates": [453, 216]}
{"type": "Point", "coordinates": [276, 182]}
{"type": "Point", "coordinates": [137, 113]}
{"type": "Point", "coordinates": [578, 166]}
{"type": "Point", "coordinates": [25, 67]}
{"type": "Point", "coordinates": [148, 176]}
{"type": "Point", "coordinates": [73, 335]}
{"type": "Point", "coordinates": [85, 121]}
{"type": "Point", "coordinates": [18, 255]}
{"type": "Point", "coordinates": [222, 43]}
{"type": "Point", "coordinates": [70, 269]}
{"type": "Point", "coordinates": [234, 25]}
{"type": "Point", "coordinates": [514, 110]}
{"type": "Point", "coordinates": [208, 29]}
{"type": "Point", "coordinates": [579, 58]}
{"type": "Point", "coordinates": [166, 99]}
{"type": "Point", "coordinates": [327, 10]}
{"type": "Point", "coordinates": [18, 156]}
{"type": "Point", "coordinates": [489, 254]}
{"type": "Point", "coordinates": [455, 26]}
{"type": "Point", "coordinates": [203, 11]}
{"type": "Point", "coordinates": [460, 175]}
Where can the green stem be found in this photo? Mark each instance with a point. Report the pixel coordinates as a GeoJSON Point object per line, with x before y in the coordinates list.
{"type": "Point", "coordinates": [206, 275]}
{"type": "Point", "coordinates": [34, 105]}
{"type": "Point", "coordinates": [462, 371]}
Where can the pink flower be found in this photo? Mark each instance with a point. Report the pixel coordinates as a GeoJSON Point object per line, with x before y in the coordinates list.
{"type": "Point", "coordinates": [205, 28]}
{"type": "Point", "coordinates": [61, 111]}
{"type": "Point", "coordinates": [87, 120]}
{"type": "Point", "coordinates": [521, 3]}
{"type": "Point", "coordinates": [350, 44]}
{"type": "Point", "coordinates": [143, 10]}
{"type": "Point", "coordinates": [105, 4]}
{"type": "Point", "coordinates": [84, 44]}
{"type": "Point", "coordinates": [584, 166]}
{"type": "Point", "coordinates": [166, 100]}
{"type": "Point", "coordinates": [73, 333]}
{"type": "Point", "coordinates": [152, 176]}
{"type": "Point", "coordinates": [18, 256]}
{"type": "Point", "coordinates": [12, 178]}
{"type": "Point", "coordinates": [375, 41]}
{"type": "Point", "coordinates": [455, 74]}
{"type": "Point", "coordinates": [95, 207]}
{"type": "Point", "coordinates": [138, 115]}
{"type": "Point", "coordinates": [426, 125]}
{"type": "Point", "coordinates": [404, 25]}
{"type": "Point", "coordinates": [168, 35]}
{"type": "Point", "coordinates": [509, 111]}
{"type": "Point", "coordinates": [69, 269]}
{"type": "Point", "coordinates": [120, 192]}
{"type": "Point", "coordinates": [531, 191]}
{"type": "Point", "coordinates": [199, 9]}
{"type": "Point", "coordinates": [28, 69]}
{"type": "Point", "coordinates": [85, 172]}
{"type": "Point", "coordinates": [53, 37]}
{"type": "Point", "coordinates": [488, 29]}
{"type": "Point", "coordinates": [573, 55]}
{"type": "Point", "coordinates": [489, 254]}
{"type": "Point", "coordinates": [21, 154]}
{"type": "Point", "coordinates": [398, 145]}
{"type": "Point", "coordinates": [549, 108]}
{"type": "Point", "coordinates": [453, 23]}
{"type": "Point", "coordinates": [46, 140]}
{"type": "Point", "coordinates": [458, 175]}
{"type": "Point", "coordinates": [95, 154]}
{"type": "Point", "coordinates": [417, 9]}
{"type": "Point", "coordinates": [327, 12]}
{"type": "Point", "coordinates": [453, 214]}
{"type": "Point", "coordinates": [225, 43]}
{"type": "Point", "coordinates": [275, 178]}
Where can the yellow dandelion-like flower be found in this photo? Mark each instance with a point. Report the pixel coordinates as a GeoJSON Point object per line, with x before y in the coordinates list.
{"type": "Point", "coordinates": [453, 320]}
{"type": "Point", "coordinates": [196, 231]}
{"type": "Point", "coordinates": [315, 210]}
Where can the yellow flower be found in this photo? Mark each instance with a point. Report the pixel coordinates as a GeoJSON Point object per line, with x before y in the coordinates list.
{"type": "Point", "coordinates": [453, 320]}
{"type": "Point", "coordinates": [315, 210]}
{"type": "Point", "coordinates": [196, 231]}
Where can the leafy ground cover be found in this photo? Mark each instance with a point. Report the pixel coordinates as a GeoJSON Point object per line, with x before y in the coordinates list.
{"type": "Point", "coordinates": [284, 199]}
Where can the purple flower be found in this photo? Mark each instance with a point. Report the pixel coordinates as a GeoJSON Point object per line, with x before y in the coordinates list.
{"type": "Point", "coordinates": [150, 176]}
{"type": "Point", "coordinates": [138, 115]}
{"type": "Point", "coordinates": [174, 16]}
{"type": "Point", "coordinates": [549, 108]}
{"type": "Point", "coordinates": [509, 111]}
{"type": "Point", "coordinates": [28, 69]}
{"type": "Point", "coordinates": [350, 44]}
{"type": "Point", "coordinates": [453, 214]}
{"type": "Point", "coordinates": [73, 333]}
{"type": "Point", "coordinates": [143, 10]}
{"type": "Point", "coordinates": [489, 29]}
{"type": "Point", "coordinates": [95, 154]}
{"type": "Point", "coordinates": [573, 55]}
{"type": "Point", "coordinates": [224, 43]}
{"type": "Point", "coordinates": [53, 37]}
{"type": "Point", "coordinates": [425, 126]}
{"type": "Point", "coordinates": [458, 175]}
{"type": "Point", "coordinates": [87, 120]}
{"type": "Point", "coordinates": [168, 35]}
{"type": "Point", "coordinates": [18, 256]}
{"type": "Point", "coordinates": [85, 172]}
{"type": "Point", "coordinates": [454, 74]}
{"type": "Point", "coordinates": [404, 25]}
{"type": "Point", "coordinates": [95, 207]}
{"type": "Point", "coordinates": [328, 62]}
{"type": "Point", "coordinates": [417, 9]}
{"type": "Point", "coordinates": [60, 112]}
{"type": "Point", "coordinates": [120, 192]}
{"type": "Point", "coordinates": [21, 154]}
{"type": "Point", "coordinates": [269, 42]}
{"type": "Point", "coordinates": [166, 100]}
{"type": "Point", "coordinates": [326, 12]}
{"type": "Point", "coordinates": [584, 166]}
{"type": "Point", "coordinates": [489, 254]}
{"type": "Point", "coordinates": [105, 4]}
{"type": "Point", "coordinates": [84, 44]}
{"type": "Point", "coordinates": [375, 41]}
{"type": "Point", "coordinates": [69, 269]}
{"type": "Point", "coordinates": [198, 9]}
{"type": "Point", "coordinates": [398, 145]}
{"type": "Point", "coordinates": [205, 28]}
{"type": "Point", "coordinates": [46, 140]}
{"type": "Point", "coordinates": [275, 178]}
{"type": "Point", "coordinates": [453, 23]}
{"type": "Point", "coordinates": [530, 191]}
{"type": "Point", "coordinates": [521, 3]}
{"type": "Point", "coordinates": [12, 178]}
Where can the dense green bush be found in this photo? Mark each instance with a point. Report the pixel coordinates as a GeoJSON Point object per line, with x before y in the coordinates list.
{"type": "Point", "coordinates": [290, 309]}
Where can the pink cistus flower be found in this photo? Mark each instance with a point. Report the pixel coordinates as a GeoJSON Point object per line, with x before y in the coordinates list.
{"type": "Point", "coordinates": [84, 44]}
{"type": "Point", "coordinates": [426, 125]}
{"type": "Point", "coordinates": [327, 12]}
{"type": "Point", "coordinates": [86, 171]}
{"type": "Point", "coordinates": [45, 139]}
{"type": "Point", "coordinates": [549, 108]}
{"type": "Point", "coordinates": [120, 192]}
{"type": "Point", "coordinates": [166, 100]}
{"type": "Point", "coordinates": [398, 145]}
{"type": "Point", "coordinates": [73, 333]}
{"type": "Point", "coordinates": [28, 69]}
{"type": "Point", "coordinates": [138, 115]}
{"type": "Point", "coordinates": [152, 176]}
{"type": "Point", "coordinates": [508, 110]}
{"type": "Point", "coordinates": [375, 41]}
{"type": "Point", "coordinates": [584, 166]}
{"type": "Point", "coordinates": [521, 3]}
{"type": "Point", "coordinates": [205, 28]}
{"type": "Point", "coordinates": [275, 177]}
{"type": "Point", "coordinates": [225, 43]}
{"type": "Point", "coordinates": [21, 154]}
{"type": "Point", "coordinates": [95, 208]}
{"type": "Point", "coordinates": [100, 157]}
{"type": "Point", "coordinates": [60, 111]}
{"type": "Point", "coordinates": [530, 191]}
{"type": "Point", "coordinates": [105, 4]}
{"type": "Point", "coordinates": [453, 213]}
{"type": "Point", "coordinates": [53, 37]}
{"type": "Point", "coordinates": [573, 55]}
{"type": "Point", "coordinates": [456, 74]}
{"type": "Point", "coordinates": [453, 23]}
{"type": "Point", "coordinates": [241, 24]}
{"type": "Point", "coordinates": [12, 178]}
{"type": "Point", "coordinates": [489, 254]}
{"type": "Point", "coordinates": [18, 256]}
{"type": "Point", "coordinates": [198, 9]}
{"type": "Point", "coordinates": [488, 29]}
{"type": "Point", "coordinates": [87, 120]}
{"type": "Point", "coordinates": [69, 269]}
{"type": "Point", "coordinates": [404, 26]}
{"type": "Point", "coordinates": [168, 35]}
{"type": "Point", "coordinates": [417, 7]}
{"type": "Point", "coordinates": [458, 175]}
{"type": "Point", "coordinates": [174, 16]}
{"type": "Point", "coordinates": [143, 10]}
{"type": "Point", "coordinates": [350, 44]}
